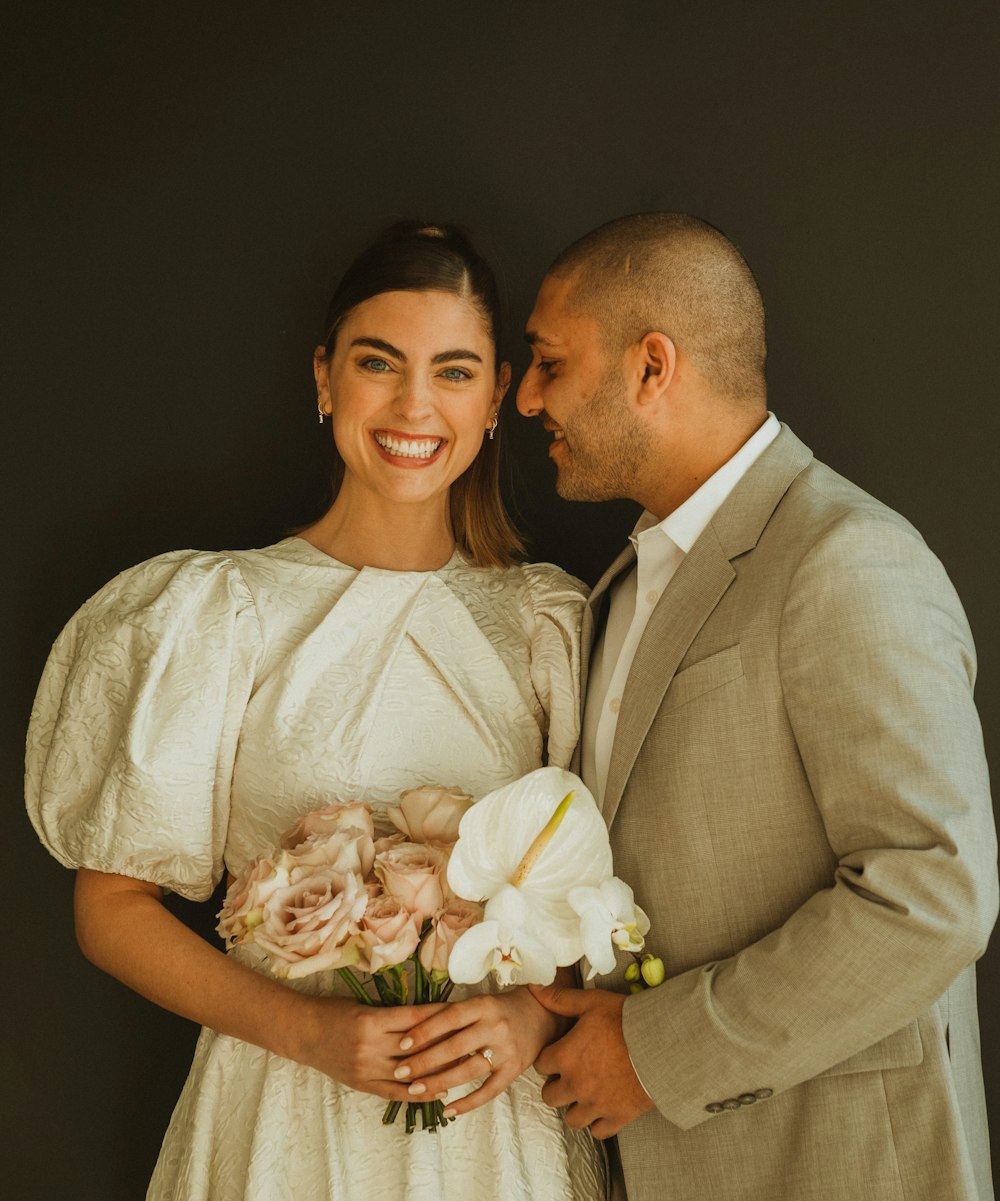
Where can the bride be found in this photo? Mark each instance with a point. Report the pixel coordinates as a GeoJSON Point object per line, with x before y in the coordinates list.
{"type": "Point", "coordinates": [201, 702]}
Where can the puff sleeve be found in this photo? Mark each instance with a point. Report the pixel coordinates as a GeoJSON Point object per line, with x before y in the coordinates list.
{"type": "Point", "coordinates": [555, 603]}
{"type": "Point", "coordinates": [134, 729]}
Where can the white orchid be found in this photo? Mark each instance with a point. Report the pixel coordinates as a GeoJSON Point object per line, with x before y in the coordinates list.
{"type": "Point", "coordinates": [522, 849]}
{"type": "Point", "coordinates": [609, 918]}
{"type": "Point", "coordinates": [502, 943]}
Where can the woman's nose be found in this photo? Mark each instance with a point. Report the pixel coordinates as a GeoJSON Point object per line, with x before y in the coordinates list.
{"type": "Point", "coordinates": [414, 399]}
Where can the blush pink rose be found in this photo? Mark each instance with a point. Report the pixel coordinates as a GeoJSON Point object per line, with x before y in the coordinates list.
{"type": "Point", "coordinates": [388, 840]}
{"type": "Point", "coordinates": [414, 874]}
{"type": "Point", "coordinates": [243, 908]}
{"type": "Point", "coordinates": [448, 925]}
{"type": "Point", "coordinates": [431, 813]}
{"type": "Point", "coordinates": [389, 934]}
{"type": "Point", "coordinates": [309, 926]}
{"type": "Point", "coordinates": [348, 850]}
{"type": "Point", "coordinates": [342, 815]}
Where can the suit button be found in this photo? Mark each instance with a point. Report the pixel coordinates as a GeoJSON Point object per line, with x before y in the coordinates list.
{"type": "Point", "coordinates": [731, 1104]}
{"type": "Point", "coordinates": [747, 1098]}
{"type": "Point", "coordinates": [762, 1094]}
{"type": "Point", "coordinates": [714, 1107]}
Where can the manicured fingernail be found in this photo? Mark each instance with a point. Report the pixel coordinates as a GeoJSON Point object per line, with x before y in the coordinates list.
{"type": "Point", "coordinates": [417, 1089]}
{"type": "Point", "coordinates": [440, 1096]}
{"type": "Point", "coordinates": [405, 1044]}
{"type": "Point", "coordinates": [401, 1073]}
{"type": "Point", "coordinates": [451, 1113]}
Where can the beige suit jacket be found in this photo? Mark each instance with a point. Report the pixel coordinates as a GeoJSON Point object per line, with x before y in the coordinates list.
{"type": "Point", "coordinates": [798, 794]}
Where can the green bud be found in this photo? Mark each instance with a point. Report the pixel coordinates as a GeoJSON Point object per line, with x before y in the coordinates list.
{"type": "Point", "coordinates": [632, 972]}
{"type": "Point", "coordinates": [634, 988]}
{"type": "Point", "coordinates": [653, 971]}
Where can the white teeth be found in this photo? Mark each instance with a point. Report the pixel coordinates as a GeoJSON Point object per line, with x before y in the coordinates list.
{"type": "Point", "coordinates": [408, 448]}
{"type": "Point", "coordinates": [558, 435]}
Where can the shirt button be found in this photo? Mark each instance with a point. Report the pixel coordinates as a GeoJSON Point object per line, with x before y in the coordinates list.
{"type": "Point", "coordinates": [714, 1107]}
{"type": "Point", "coordinates": [652, 596]}
{"type": "Point", "coordinates": [746, 1099]}
{"type": "Point", "coordinates": [762, 1094]}
{"type": "Point", "coordinates": [614, 705]}
{"type": "Point", "coordinates": [731, 1104]}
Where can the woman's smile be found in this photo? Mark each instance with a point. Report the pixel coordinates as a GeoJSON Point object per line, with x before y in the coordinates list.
{"type": "Point", "coordinates": [407, 450]}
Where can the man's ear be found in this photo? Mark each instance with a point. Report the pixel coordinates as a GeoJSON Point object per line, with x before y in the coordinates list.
{"type": "Point", "coordinates": [657, 362]}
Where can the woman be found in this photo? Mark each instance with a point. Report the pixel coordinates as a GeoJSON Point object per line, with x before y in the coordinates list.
{"type": "Point", "coordinates": [201, 702]}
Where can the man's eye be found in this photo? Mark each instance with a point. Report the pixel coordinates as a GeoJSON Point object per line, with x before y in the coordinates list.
{"type": "Point", "coordinates": [546, 365]}
{"type": "Point", "coordinates": [456, 373]}
{"type": "Point", "coordinates": [377, 365]}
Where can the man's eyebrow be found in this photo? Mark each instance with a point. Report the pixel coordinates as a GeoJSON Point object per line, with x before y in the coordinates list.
{"type": "Point", "coordinates": [379, 344]}
{"type": "Point", "coordinates": [534, 338]}
{"type": "Point", "coordinates": [447, 355]}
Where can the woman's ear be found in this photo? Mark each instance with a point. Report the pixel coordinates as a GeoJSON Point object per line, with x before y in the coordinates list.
{"type": "Point", "coordinates": [503, 383]}
{"type": "Point", "coordinates": [657, 363]}
{"type": "Point", "coordinates": [321, 373]}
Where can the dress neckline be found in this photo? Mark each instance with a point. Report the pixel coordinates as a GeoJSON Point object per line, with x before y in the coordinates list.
{"type": "Point", "coordinates": [297, 543]}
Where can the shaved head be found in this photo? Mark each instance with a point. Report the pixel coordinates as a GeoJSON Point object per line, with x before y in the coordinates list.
{"type": "Point", "coordinates": [680, 276]}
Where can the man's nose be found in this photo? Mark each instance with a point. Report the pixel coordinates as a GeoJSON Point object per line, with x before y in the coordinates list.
{"type": "Point", "coordinates": [528, 402]}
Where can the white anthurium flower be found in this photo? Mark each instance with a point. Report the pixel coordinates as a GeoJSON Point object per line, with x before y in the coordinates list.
{"type": "Point", "coordinates": [502, 943]}
{"type": "Point", "coordinates": [527, 837]}
{"type": "Point", "coordinates": [609, 918]}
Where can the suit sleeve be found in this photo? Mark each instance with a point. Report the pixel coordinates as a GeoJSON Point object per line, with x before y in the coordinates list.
{"type": "Point", "coordinates": [876, 668]}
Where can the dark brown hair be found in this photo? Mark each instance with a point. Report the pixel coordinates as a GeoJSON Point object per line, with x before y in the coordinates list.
{"type": "Point", "coordinates": [413, 256]}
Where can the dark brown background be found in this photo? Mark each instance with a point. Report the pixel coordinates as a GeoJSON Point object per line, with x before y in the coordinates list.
{"type": "Point", "coordinates": [189, 178]}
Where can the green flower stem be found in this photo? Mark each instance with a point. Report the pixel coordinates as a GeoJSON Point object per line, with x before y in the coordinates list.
{"type": "Point", "coordinates": [355, 985]}
{"type": "Point", "coordinates": [384, 989]}
{"type": "Point", "coordinates": [391, 1110]}
{"type": "Point", "coordinates": [420, 983]}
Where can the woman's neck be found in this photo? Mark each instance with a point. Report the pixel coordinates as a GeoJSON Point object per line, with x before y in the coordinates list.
{"type": "Point", "coordinates": [391, 536]}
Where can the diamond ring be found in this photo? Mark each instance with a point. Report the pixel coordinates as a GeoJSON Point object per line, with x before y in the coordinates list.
{"type": "Point", "coordinates": [487, 1054]}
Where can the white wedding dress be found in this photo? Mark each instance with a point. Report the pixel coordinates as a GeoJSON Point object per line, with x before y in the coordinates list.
{"type": "Point", "coordinates": [198, 705]}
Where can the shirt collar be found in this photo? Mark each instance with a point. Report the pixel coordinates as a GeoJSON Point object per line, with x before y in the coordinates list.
{"type": "Point", "coordinates": [685, 525]}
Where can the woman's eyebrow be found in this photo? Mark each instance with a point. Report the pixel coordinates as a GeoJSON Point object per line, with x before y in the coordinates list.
{"type": "Point", "coordinates": [380, 344]}
{"type": "Point", "coordinates": [447, 355]}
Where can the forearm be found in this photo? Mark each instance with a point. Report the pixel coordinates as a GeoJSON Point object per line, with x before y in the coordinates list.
{"type": "Point", "coordinates": [123, 928]}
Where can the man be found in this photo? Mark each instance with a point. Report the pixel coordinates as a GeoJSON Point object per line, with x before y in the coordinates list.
{"type": "Point", "coordinates": [780, 729]}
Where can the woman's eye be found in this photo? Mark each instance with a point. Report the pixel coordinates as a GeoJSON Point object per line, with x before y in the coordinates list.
{"type": "Point", "coordinates": [377, 365]}
{"type": "Point", "coordinates": [456, 373]}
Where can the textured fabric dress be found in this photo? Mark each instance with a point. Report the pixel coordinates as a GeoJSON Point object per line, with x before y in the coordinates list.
{"type": "Point", "coordinates": [199, 704]}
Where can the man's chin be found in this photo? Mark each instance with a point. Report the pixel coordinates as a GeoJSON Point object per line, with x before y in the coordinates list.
{"type": "Point", "coordinates": [569, 487]}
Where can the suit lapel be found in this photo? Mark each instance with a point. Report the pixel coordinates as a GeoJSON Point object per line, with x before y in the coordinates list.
{"type": "Point", "coordinates": [697, 587]}
{"type": "Point", "coordinates": [699, 584]}
{"type": "Point", "coordinates": [589, 628]}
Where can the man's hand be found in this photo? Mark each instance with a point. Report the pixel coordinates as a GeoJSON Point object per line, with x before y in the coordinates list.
{"type": "Point", "coordinates": [589, 1069]}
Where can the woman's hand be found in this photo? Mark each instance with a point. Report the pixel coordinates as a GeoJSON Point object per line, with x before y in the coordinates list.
{"type": "Point", "coordinates": [359, 1045]}
{"type": "Point", "coordinates": [124, 928]}
{"type": "Point", "coordinates": [445, 1050]}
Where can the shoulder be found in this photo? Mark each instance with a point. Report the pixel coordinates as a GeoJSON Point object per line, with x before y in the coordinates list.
{"type": "Point", "coordinates": [201, 592]}
{"type": "Point", "coordinates": [545, 584]}
{"type": "Point", "coordinates": [822, 511]}
{"type": "Point", "coordinates": [177, 577]}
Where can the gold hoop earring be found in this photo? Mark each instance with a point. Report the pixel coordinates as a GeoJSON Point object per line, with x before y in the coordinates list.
{"type": "Point", "coordinates": [491, 428]}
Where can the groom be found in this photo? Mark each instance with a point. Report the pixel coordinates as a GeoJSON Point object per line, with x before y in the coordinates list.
{"type": "Point", "coordinates": [780, 729]}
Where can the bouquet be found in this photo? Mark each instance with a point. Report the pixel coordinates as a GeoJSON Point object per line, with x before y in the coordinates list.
{"type": "Point", "coordinates": [408, 901]}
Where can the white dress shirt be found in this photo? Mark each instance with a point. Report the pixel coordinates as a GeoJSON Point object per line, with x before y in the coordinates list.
{"type": "Point", "coordinates": [660, 549]}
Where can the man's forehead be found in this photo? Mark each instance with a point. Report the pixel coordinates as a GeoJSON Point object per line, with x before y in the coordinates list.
{"type": "Point", "coordinates": [554, 318]}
